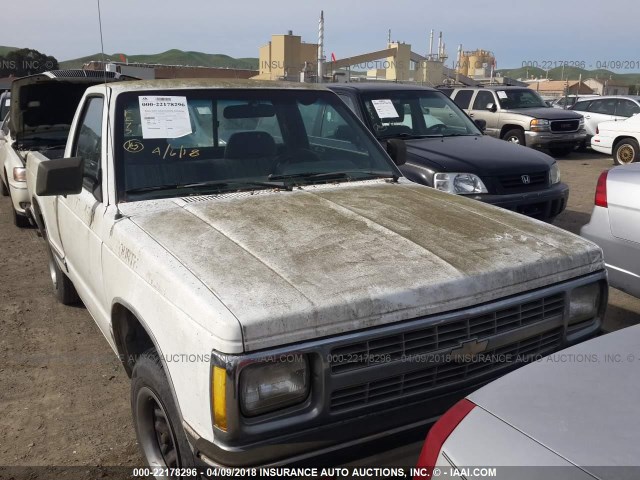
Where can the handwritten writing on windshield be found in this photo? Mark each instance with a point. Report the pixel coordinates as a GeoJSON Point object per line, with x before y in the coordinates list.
{"type": "Point", "coordinates": [136, 146]}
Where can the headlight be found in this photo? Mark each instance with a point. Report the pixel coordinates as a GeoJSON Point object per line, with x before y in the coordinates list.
{"type": "Point", "coordinates": [539, 124]}
{"type": "Point", "coordinates": [584, 303]}
{"type": "Point", "coordinates": [582, 121]}
{"type": "Point", "coordinates": [20, 174]}
{"type": "Point", "coordinates": [269, 386]}
{"type": "Point", "coordinates": [459, 183]}
{"type": "Point", "coordinates": [554, 174]}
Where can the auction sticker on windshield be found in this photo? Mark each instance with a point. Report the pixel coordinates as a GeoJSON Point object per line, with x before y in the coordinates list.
{"type": "Point", "coordinates": [385, 109]}
{"type": "Point", "coordinates": [502, 94]}
{"type": "Point", "coordinates": [164, 117]}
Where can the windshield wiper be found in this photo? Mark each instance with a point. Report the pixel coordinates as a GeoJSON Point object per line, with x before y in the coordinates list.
{"type": "Point", "coordinates": [215, 183]}
{"type": "Point", "coordinates": [331, 175]}
{"type": "Point", "coordinates": [409, 136]}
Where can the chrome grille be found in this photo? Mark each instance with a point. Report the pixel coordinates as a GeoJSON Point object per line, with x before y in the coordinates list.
{"type": "Point", "coordinates": [565, 125]}
{"type": "Point", "coordinates": [513, 182]}
{"type": "Point", "coordinates": [422, 382]}
{"type": "Point", "coordinates": [346, 358]}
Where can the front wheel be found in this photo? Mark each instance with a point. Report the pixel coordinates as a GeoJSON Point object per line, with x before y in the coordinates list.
{"type": "Point", "coordinates": [625, 152]}
{"type": "Point", "coordinates": [3, 188]}
{"type": "Point", "coordinates": [515, 136]}
{"type": "Point", "coordinates": [561, 152]}
{"type": "Point", "coordinates": [155, 416]}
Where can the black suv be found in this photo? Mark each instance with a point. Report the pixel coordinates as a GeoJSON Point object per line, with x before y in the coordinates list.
{"type": "Point", "coordinates": [448, 151]}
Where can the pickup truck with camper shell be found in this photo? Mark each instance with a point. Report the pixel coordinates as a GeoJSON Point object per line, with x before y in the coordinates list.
{"type": "Point", "coordinates": [446, 150]}
{"type": "Point", "coordinates": [278, 293]}
{"type": "Point", "coordinates": [40, 110]}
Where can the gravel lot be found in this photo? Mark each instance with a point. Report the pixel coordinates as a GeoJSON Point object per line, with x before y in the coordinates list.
{"type": "Point", "coordinates": [63, 393]}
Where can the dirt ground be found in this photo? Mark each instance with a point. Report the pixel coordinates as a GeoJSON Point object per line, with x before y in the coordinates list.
{"type": "Point", "coordinates": [64, 397]}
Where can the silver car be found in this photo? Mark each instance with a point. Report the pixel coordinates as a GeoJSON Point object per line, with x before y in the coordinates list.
{"type": "Point", "coordinates": [615, 226]}
{"type": "Point", "coordinates": [571, 415]}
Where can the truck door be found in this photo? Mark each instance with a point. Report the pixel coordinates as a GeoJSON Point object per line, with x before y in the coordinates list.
{"type": "Point", "coordinates": [83, 217]}
{"type": "Point", "coordinates": [480, 111]}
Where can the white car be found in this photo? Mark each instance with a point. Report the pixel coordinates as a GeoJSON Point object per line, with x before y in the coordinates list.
{"type": "Point", "coordinates": [606, 108]}
{"type": "Point", "coordinates": [569, 100]}
{"type": "Point", "coordinates": [571, 415]}
{"type": "Point", "coordinates": [620, 139]}
{"type": "Point", "coordinates": [615, 225]}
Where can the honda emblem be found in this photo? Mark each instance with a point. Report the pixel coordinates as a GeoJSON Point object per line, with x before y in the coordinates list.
{"type": "Point", "coordinates": [526, 179]}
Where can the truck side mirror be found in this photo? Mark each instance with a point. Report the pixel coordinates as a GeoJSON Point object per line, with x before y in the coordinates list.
{"type": "Point", "coordinates": [397, 150]}
{"type": "Point", "coordinates": [492, 107]}
{"type": "Point", "coordinates": [60, 177]}
{"type": "Point", "coordinates": [481, 124]}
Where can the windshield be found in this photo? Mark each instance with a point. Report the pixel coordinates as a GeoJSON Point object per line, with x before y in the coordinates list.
{"type": "Point", "coordinates": [416, 113]}
{"type": "Point", "coordinates": [520, 98]}
{"type": "Point", "coordinates": [192, 142]}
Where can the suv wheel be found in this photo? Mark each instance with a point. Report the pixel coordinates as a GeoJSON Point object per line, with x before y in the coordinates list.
{"type": "Point", "coordinates": [158, 428]}
{"type": "Point", "coordinates": [625, 152]}
{"type": "Point", "coordinates": [515, 136]}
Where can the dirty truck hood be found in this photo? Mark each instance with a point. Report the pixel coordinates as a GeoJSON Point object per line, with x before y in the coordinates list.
{"type": "Point", "coordinates": [293, 266]}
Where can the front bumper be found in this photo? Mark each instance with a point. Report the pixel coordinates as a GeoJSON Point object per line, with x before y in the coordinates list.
{"type": "Point", "coordinates": [542, 204]}
{"type": "Point", "coordinates": [554, 140]}
{"type": "Point", "coordinates": [19, 197]}
{"type": "Point", "coordinates": [403, 393]}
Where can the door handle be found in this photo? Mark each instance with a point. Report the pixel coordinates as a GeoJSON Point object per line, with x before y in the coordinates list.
{"type": "Point", "coordinates": [471, 114]}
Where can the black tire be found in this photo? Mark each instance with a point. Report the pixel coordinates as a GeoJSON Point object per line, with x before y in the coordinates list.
{"type": "Point", "coordinates": [515, 135]}
{"type": "Point", "coordinates": [626, 151]}
{"type": "Point", "coordinates": [561, 152]}
{"type": "Point", "coordinates": [583, 147]}
{"type": "Point", "coordinates": [155, 416]}
{"type": "Point", "coordinates": [63, 288]}
{"type": "Point", "coordinates": [20, 221]}
{"type": "Point", "coordinates": [3, 188]}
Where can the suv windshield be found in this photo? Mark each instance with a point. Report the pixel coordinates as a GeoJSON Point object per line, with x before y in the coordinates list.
{"type": "Point", "coordinates": [191, 142]}
{"type": "Point", "coordinates": [520, 98]}
{"type": "Point", "coordinates": [416, 113]}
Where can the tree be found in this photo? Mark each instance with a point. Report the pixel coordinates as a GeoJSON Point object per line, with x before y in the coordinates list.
{"type": "Point", "coordinates": [26, 61]}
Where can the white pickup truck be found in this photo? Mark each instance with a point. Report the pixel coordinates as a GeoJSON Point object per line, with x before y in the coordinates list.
{"type": "Point", "coordinates": [40, 113]}
{"type": "Point", "coordinates": [275, 289]}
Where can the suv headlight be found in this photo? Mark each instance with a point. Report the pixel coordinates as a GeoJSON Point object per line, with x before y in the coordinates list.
{"type": "Point", "coordinates": [539, 124]}
{"type": "Point", "coordinates": [584, 303]}
{"type": "Point", "coordinates": [554, 174]}
{"type": "Point", "coordinates": [459, 183]}
{"type": "Point", "coordinates": [581, 122]}
{"type": "Point", "coordinates": [269, 386]}
{"type": "Point", "coordinates": [19, 174]}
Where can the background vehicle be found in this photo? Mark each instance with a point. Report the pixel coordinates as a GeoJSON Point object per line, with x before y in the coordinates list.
{"type": "Point", "coordinates": [604, 109]}
{"type": "Point", "coordinates": [615, 225]}
{"type": "Point", "coordinates": [519, 115]}
{"type": "Point", "coordinates": [40, 116]}
{"type": "Point", "coordinates": [620, 139]}
{"type": "Point", "coordinates": [447, 151]}
{"type": "Point", "coordinates": [549, 414]}
{"type": "Point", "coordinates": [5, 103]}
{"type": "Point", "coordinates": [569, 101]}
{"type": "Point", "coordinates": [298, 272]}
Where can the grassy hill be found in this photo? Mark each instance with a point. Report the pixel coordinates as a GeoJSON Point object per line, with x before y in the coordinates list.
{"type": "Point", "coordinates": [5, 50]}
{"type": "Point", "coordinates": [571, 73]}
{"type": "Point", "coordinates": [172, 57]}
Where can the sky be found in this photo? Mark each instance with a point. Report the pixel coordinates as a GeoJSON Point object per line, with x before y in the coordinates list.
{"type": "Point", "coordinates": [535, 31]}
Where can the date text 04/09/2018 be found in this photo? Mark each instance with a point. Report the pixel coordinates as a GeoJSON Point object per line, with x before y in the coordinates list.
{"type": "Point", "coordinates": [598, 64]}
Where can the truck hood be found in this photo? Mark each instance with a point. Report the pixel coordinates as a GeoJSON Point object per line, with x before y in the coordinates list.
{"type": "Point", "coordinates": [580, 403]}
{"type": "Point", "coordinates": [481, 155]}
{"type": "Point", "coordinates": [319, 261]}
{"type": "Point", "coordinates": [47, 102]}
{"type": "Point", "coordinates": [549, 113]}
